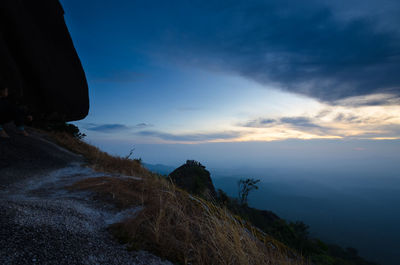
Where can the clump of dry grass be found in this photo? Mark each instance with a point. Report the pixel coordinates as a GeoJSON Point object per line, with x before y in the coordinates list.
{"type": "Point", "coordinates": [172, 223]}
{"type": "Point", "coordinates": [121, 192]}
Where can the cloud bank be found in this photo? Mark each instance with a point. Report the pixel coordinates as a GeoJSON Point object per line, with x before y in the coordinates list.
{"type": "Point", "coordinates": [359, 122]}
{"type": "Point", "coordinates": [190, 137]}
{"type": "Point", "coordinates": [108, 128]}
{"type": "Point", "coordinates": [306, 48]}
{"type": "Point", "coordinates": [114, 128]}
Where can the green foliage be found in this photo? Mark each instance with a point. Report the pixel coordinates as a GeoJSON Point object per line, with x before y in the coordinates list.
{"type": "Point", "coordinates": [245, 186]}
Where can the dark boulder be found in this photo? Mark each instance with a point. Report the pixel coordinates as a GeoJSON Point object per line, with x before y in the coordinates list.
{"type": "Point", "coordinates": [38, 61]}
{"type": "Point", "coordinates": [194, 178]}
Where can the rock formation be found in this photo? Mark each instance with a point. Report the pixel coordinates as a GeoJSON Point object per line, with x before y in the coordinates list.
{"type": "Point", "coordinates": [38, 61]}
{"type": "Point", "coordinates": [194, 178]}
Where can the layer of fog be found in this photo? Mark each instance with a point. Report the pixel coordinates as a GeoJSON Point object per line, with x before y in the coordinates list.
{"type": "Point", "coordinates": [347, 191]}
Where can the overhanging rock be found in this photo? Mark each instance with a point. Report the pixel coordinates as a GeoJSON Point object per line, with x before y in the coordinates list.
{"type": "Point", "coordinates": [38, 61]}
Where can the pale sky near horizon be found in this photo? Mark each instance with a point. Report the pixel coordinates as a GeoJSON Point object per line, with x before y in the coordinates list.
{"type": "Point", "coordinates": [238, 71]}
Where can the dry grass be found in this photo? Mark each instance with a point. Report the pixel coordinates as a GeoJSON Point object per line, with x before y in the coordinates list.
{"type": "Point", "coordinates": [99, 160]}
{"type": "Point", "coordinates": [174, 224]}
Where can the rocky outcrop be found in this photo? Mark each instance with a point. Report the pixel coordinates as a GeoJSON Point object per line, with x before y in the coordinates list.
{"type": "Point", "coordinates": [194, 178]}
{"type": "Point", "coordinates": [38, 61]}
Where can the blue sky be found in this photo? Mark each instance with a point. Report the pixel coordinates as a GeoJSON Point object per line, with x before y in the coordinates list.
{"type": "Point", "coordinates": [292, 91]}
{"type": "Point", "coordinates": [238, 71]}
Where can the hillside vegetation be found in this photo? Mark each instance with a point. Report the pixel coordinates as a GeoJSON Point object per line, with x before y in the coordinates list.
{"type": "Point", "coordinates": [172, 223]}
{"type": "Point", "coordinates": [196, 228]}
{"type": "Point", "coordinates": [193, 177]}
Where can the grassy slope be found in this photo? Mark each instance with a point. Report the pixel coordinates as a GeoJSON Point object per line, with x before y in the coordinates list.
{"type": "Point", "coordinates": [172, 223]}
{"type": "Point", "coordinates": [296, 236]}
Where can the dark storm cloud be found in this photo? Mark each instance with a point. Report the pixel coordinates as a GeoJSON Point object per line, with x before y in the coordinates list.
{"type": "Point", "coordinates": [300, 47]}
{"type": "Point", "coordinates": [195, 137]}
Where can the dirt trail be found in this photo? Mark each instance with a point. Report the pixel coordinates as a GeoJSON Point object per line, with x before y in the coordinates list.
{"type": "Point", "coordinates": [43, 223]}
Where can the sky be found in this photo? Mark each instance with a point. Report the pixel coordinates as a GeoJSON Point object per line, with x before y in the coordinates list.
{"type": "Point", "coordinates": [189, 72]}
{"type": "Point", "coordinates": [304, 95]}
{"type": "Point", "coordinates": [291, 91]}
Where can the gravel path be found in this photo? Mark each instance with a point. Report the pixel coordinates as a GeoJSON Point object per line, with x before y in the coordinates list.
{"type": "Point", "coordinates": [22, 157]}
{"type": "Point", "coordinates": [43, 223]}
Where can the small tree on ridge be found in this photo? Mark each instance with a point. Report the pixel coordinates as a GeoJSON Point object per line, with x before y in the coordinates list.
{"type": "Point", "coordinates": [245, 186]}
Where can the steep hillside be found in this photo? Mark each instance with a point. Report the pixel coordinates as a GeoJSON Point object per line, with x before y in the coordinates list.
{"type": "Point", "coordinates": [292, 234]}
{"type": "Point", "coordinates": [172, 223]}
{"type": "Point", "coordinates": [62, 213]}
